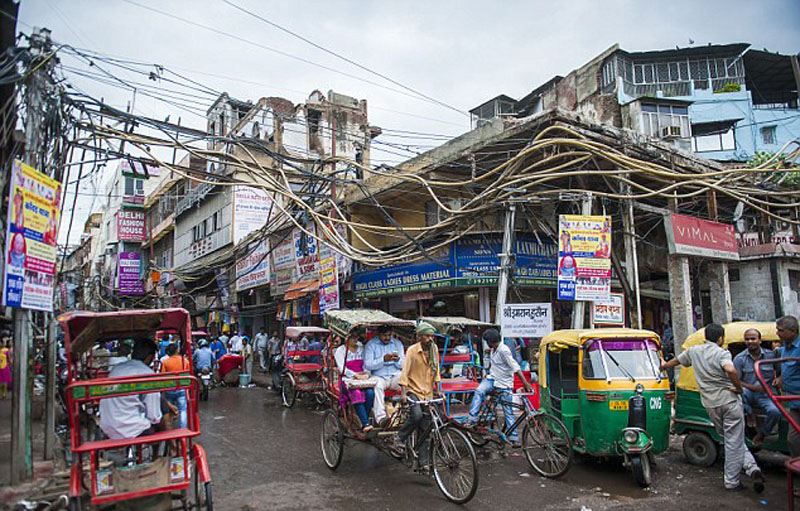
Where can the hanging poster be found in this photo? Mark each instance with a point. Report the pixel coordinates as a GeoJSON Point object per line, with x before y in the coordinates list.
{"type": "Point", "coordinates": [306, 254]}
{"type": "Point", "coordinates": [129, 282]}
{"type": "Point", "coordinates": [251, 210]}
{"type": "Point", "coordinates": [31, 239]}
{"type": "Point", "coordinates": [526, 320]}
{"type": "Point", "coordinates": [252, 270]}
{"type": "Point", "coordinates": [328, 284]}
{"type": "Point", "coordinates": [584, 257]}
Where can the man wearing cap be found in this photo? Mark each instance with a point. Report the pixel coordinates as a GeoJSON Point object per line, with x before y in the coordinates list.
{"type": "Point", "coordinates": [418, 382]}
{"type": "Point", "coordinates": [383, 358]}
{"type": "Point", "coordinates": [502, 369]}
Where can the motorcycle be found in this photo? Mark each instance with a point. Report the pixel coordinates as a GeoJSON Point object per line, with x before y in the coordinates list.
{"type": "Point", "coordinates": [205, 383]}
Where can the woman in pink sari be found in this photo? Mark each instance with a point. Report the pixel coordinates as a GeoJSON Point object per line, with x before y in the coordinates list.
{"type": "Point", "coordinates": [357, 384]}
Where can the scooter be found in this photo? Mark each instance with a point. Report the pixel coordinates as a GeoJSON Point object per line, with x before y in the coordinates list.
{"type": "Point", "coordinates": [205, 383]}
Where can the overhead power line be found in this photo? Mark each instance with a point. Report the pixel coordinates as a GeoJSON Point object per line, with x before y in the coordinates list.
{"type": "Point", "coordinates": [342, 57]}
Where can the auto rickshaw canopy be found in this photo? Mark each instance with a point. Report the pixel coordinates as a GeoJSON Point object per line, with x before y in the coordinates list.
{"type": "Point", "coordinates": [562, 339]}
{"type": "Point", "coordinates": [734, 333]}
{"type": "Point", "coordinates": [82, 329]}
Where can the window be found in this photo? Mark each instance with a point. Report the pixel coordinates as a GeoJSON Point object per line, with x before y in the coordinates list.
{"type": "Point", "coordinates": [621, 360]}
{"type": "Point", "coordinates": [768, 135]}
{"type": "Point", "coordinates": [794, 281]}
{"type": "Point", "coordinates": [733, 274]}
{"type": "Point", "coordinates": [657, 117]}
{"type": "Point", "coordinates": [713, 136]}
{"type": "Point", "coordinates": [134, 186]}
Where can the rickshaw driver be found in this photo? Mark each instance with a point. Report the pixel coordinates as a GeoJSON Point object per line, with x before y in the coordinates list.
{"type": "Point", "coordinates": [754, 394]}
{"type": "Point", "coordinates": [418, 381]}
{"type": "Point", "coordinates": [720, 388]}
{"type": "Point", "coordinates": [133, 415]}
{"type": "Point", "coordinates": [502, 369]}
{"type": "Point", "coordinates": [383, 358]}
{"type": "Point", "coordinates": [203, 358]}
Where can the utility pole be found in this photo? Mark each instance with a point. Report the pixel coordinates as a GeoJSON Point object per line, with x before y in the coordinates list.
{"type": "Point", "coordinates": [507, 258]}
{"type": "Point", "coordinates": [579, 310]}
{"type": "Point", "coordinates": [21, 455]}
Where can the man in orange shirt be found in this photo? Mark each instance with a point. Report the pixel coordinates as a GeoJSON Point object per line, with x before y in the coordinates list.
{"type": "Point", "coordinates": [176, 363]}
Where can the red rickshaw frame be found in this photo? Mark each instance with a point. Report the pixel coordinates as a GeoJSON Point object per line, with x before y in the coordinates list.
{"type": "Point", "coordinates": [82, 331]}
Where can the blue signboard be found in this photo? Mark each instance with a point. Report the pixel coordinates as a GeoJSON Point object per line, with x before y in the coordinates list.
{"type": "Point", "coordinates": [471, 261]}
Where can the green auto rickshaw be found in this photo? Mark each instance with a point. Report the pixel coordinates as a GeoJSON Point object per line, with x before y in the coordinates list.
{"type": "Point", "coordinates": [702, 443]}
{"type": "Point", "coordinates": [606, 387]}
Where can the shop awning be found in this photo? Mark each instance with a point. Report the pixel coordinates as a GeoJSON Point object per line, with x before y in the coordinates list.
{"type": "Point", "coordinates": [300, 289]}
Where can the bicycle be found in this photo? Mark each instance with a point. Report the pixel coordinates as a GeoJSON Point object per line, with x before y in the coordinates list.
{"type": "Point", "coordinates": [451, 457]}
{"type": "Point", "coordinates": [545, 440]}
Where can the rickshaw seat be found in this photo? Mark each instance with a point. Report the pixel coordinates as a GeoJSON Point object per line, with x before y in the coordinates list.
{"type": "Point", "coordinates": [390, 393]}
{"type": "Point", "coordinates": [458, 385]}
{"type": "Point", "coordinates": [304, 367]}
{"type": "Point", "coordinates": [303, 353]}
{"type": "Point", "coordinates": [457, 358]}
{"type": "Point", "coordinates": [162, 436]}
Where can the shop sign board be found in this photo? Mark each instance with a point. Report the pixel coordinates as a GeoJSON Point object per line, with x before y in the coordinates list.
{"type": "Point", "coordinates": [526, 320]}
{"type": "Point", "coordinates": [129, 282]}
{"type": "Point", "coordinates": [328, 285]}
{"type": "Point", "coordinates": [687, 235]}
{"type": "Point", "coordinates": [131, 225]}
{"type": "Point", "coordinates": [306, 253]}
{"type": "Point", "coordinates": [470, 261]}
{"type": "Point", "coordinates": [252, 208]}
{"type": "Point", "coordinates": [584, 257]}
{"type": "Point", "coordinates": [283, 255]}
{"type": "Point", "coordinates": [31, 239]}
{"type": "Point", "coordinates": [609, 312]}
{"type": "Point", "coordinates": [253, 269]}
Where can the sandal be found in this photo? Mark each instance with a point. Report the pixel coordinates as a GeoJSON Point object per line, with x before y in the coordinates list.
{"type": "Point", "coordinates": [367, 428]}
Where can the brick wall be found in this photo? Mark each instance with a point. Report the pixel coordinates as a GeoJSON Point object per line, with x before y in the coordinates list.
{"type": "Point", "coordinates": [751, 295]}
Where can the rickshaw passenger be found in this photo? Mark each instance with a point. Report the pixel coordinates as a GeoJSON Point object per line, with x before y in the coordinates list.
{"type": "Point", "coordinates": [418, 381]}
{"type": "Point", "coordinates": [315, 345]}
{"type": "Point", "coordinates": [131, 416]}
{"type": "Point", "coordinates": [789, 380]}
{"type": "Point", "coordinates": [383, 357]}
{"type": "Point", "coordinates": [720, 387]}
{"type": "Point", "coordinates": [175, 363]}
{"type": "Point", "coordinates": [502, 369]}
{"type": "Point", "coordinates": [350, 362]}
{"type": "Point", "coordinates": [754, 394]}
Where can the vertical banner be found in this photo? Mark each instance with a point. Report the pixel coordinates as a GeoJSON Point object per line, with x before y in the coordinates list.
{"type": "Point", "coordinates": [526, 320]}
{"type": "Point", "coordinates": [306, 254]}
{"type": "Point", "coordinates": [584, 257]}
{"type": "Point", "coordinates": [34, 206]}
{"type": "Point", "coordinates": [328, 280]}
{"type": "Point", "coordinates": [251, 210]}
{"type": "Point", "coordinates": [129, 282]}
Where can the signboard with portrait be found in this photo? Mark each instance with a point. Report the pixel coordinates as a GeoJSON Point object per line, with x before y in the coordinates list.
{"type": "Point", "coordinates": [31, 239]}
{"type": "Point", "coordinates": [584, 257]}
{"type": "Point", "coordinates": [526, 320]}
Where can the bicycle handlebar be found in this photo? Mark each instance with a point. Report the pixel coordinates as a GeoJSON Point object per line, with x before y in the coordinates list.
{"type": "Point", "coordinates": [425, 401]}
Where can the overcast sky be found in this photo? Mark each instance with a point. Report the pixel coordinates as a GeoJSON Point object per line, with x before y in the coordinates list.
{"type": "Point", "coordinates": [458, 52]}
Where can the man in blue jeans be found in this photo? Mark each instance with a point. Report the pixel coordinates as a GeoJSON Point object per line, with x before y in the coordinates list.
{"type": "Point", "coordinates": [501, 379]}
{"type": "Point", "coordinates": [753, 394]}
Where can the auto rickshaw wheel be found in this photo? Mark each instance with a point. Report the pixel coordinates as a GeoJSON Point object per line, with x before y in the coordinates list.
{"type": "Point", "coordinates": [700, 449]}
{"type": "Point", "coordinates": [332, 440]}
{"type": "Point", "coordinates": [640, 464]}
{"type": "Point", "coordinates": [201, 500]}
{"type": "Point", "coordinates": [288, 391]}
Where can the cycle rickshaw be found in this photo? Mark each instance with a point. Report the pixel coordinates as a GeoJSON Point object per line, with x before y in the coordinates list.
{"type": "Point", "coordinates": [452, 460]}
{"type": "Point", "coordinates": [163, 466]}
{"type": "Point", "coordinates": [302, 366]}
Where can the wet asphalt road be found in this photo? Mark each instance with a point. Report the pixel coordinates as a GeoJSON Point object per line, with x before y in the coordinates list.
{"type": "Point", "coordinates": [264, 456]}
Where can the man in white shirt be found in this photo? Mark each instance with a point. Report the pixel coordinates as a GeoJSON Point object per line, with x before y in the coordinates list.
{"type": "Point", "coordinates": [383, 357]}
{"type": "Point", "coordinates": [502, 369]}
{"type": "Point", "coordinates": [261, 342]}
{"type": "Point", "coordinates": [131, 416]}
{"type": "Point", "coordinates": [236, 343]}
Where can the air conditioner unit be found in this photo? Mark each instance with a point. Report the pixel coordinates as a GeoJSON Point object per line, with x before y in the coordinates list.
{"type": "Point", "coordinates": [671, 132]}
{"type": "Point", "coordinates": [453, 205]}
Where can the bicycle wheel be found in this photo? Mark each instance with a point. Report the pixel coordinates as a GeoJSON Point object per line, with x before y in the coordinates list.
{"type": "Point", "coordinates": [288, 391]}
{"type": "Point", "coordinates": [332, 440]}
{"type": "Point", "coordinates": [547, 445]}
{"type": "Point", "coordinates": [455, 468]}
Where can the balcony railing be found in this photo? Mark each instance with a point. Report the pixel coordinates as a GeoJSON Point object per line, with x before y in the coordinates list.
{"type": "Point", "coordinates": [194, 196]}
{"type": "Point", "coordinates": [669, 89]}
